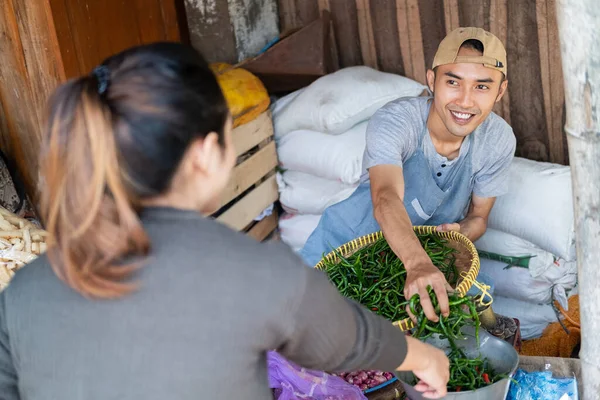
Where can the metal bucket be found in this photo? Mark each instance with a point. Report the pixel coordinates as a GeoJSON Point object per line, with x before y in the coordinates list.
{"type": "Point", "coordinates": [503, 359]}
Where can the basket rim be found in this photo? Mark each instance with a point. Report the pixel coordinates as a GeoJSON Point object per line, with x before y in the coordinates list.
{"type": "Point", "coordinates": [462, 288]}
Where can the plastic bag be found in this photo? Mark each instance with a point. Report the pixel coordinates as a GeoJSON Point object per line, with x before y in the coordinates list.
{"type": "Point", "coordinates": [542, 386]}
{"type": "Point", "coordinates": [296, 383]}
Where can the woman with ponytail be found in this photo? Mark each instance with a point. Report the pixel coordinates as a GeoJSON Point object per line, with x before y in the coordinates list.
{"type": "Point", "coordinates": [141, 295]}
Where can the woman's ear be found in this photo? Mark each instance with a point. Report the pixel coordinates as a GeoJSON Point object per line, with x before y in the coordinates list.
{"type": "Point", "coordinates": [205, 154]}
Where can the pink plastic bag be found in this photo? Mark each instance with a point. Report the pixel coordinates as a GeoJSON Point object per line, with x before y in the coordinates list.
{"type": "Point", "coordinates": [292, 382]}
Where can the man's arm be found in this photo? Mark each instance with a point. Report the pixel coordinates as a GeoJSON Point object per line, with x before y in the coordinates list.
{"type": "Point", "coordinates": [475, 223]}
{"type": "Point", "coordinates": [387, 191]}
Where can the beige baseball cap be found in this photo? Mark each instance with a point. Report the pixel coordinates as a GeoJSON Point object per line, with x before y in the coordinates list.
{"type": "Point", "coordinates": [494, 54]}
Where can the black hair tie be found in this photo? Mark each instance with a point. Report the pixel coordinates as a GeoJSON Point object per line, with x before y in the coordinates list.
{"type": "Point", "coordinates": [102, 74]}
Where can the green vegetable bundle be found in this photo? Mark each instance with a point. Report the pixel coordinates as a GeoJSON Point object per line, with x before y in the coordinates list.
{"type": "Point", "coordinates": [374, 276]}
{"type": "Point", "coordinates": [465, 373]}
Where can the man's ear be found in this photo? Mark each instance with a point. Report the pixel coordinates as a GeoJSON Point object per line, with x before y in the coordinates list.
{"type": "Point", "coordinates": [503, 87]}
{"type": "Point", "coordinates": [430, 79]}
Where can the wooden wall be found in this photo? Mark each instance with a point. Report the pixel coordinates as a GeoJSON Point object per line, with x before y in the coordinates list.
{"type": "Point", "coordinates": [402, 36]}
{"type": "Point", "coordinates": [45, 42]}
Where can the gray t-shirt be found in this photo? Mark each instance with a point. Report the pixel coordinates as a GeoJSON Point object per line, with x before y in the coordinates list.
{"type": "Point", "coordinates": [211, 302]}
{"type": "Point", "coordinates": [393, 135]}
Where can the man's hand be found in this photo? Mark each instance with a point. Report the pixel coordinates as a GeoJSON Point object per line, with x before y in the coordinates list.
{"type": "Point", "coordinates": [448, 227]}
{"type": "Point", "coordinates": [418, 278]}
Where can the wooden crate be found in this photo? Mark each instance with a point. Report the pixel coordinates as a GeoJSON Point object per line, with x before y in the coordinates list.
{"type": "Point", "coordinates": [253, 186]}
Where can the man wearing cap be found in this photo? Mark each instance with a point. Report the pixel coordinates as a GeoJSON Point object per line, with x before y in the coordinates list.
{"type": "Point", "coordinates": [439, 160]}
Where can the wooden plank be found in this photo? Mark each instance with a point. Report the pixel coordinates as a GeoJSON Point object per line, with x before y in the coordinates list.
{"type": "Point", "coordinates": [404, 37]}
{"type": "Point", "coordinates": [65, 39]}
{"type": "Point", "coordinates": [250, 171]}
{"type": "Point", "coordinates": [427, 20]}
{"type": "Point", "coordinates": [557, 89]}
{"type": "Point", "coordinates": [308, 11]}
{"type": "Point", "coordinates": [251, 205]}
{"type": "Point", "coordinates": [323, 5]}
{"type": "Point", "coordinates": [288, 19]}
{"type": "Point", "coordinates": [251, 134]}
{"type": "Point", "coordinates": [149, 26]}
{"type": "Point", "coordinates": [365, 32]}
{"type": "Point", "coordinates": [30, 70]}
{"type": "Point", "coordinates": [498, 26]}
{"type": "Point", "coordinates": [333, 49]}
{"type": "Point", "coordinates": [385, 31]}
{"type": "Point", "coordinates": [528, 118]}
{"type": "Point", "coordinates": [211, 31]}
{"type": "Point", "coordinates": [451, 17]}
{"type": "Point", "coordinates": [41, 54]}
{"type": "Point", "coordinates": [174, 22]}
{"type": "Point", "coordinates": [549, 73]}
{"type": "Point", "coordinates": [263, 228]}
{"type": "Point", "coordinates": [345, 22]}
{"type": "Point", "coordinates": [474, 13]}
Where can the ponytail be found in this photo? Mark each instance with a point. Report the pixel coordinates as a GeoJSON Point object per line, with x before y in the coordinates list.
{"type": "Point", "coordinates": [113, 140]}
{"type": "Point", "coordinates": [88, 211]}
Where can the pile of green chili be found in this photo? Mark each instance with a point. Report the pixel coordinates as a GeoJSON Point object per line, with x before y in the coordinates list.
{"type": "Point", "coordinates": [465, 373]}
{"type": "Point", "coordinates": [375, 277]}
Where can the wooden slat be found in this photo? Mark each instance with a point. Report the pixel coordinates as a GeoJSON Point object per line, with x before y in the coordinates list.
{"type": "Point", "coordinates": [404, 37]}
{"type": "Point", "coordinates": [287, 15]}
{"type": "Point", "coordinates": [385, 31]}
{"type": "Point", "coordinates": [498, 26]}
{"type": "Point", "coordinates": [344, 17]}
{"type": "Point", "coordinates": [30, 68]}
{"type": "Point", "coordinates": [308, 11]}
{"type": "Point", "coordinates": [263, 228]}
{"type": "Point", "coordinates": [432, 20]}
{"type": "Point", "coordinates": [527, 114]}
{"type": "Point", "coordinates": [65, 39]}
{"type": "Point", "coordinates": [251, 205]}
{"type": "Point", "coordinates": [411, 43]}
{"type": "Point", "coordinates": [248, 135]}
{"type": "Point", "coordinates": [474, 13]}
{"type": "Point", "coordinates": [174, 21]}
{"type": "Point", "coordinates": [451, 15]}
{"type": "Point", "coordinates": [323, 5]}
{"type": "Point", "coordinates": [557, 91]}
{"type": "Point", "coordinates": [250, 171]}
{"type": "Point", "coordinates": [365, 31]}
{"type": "Point", "coordinates": [551, 75]}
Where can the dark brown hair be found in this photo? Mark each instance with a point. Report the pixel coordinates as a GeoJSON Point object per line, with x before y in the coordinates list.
{"type": "Point", "coordinates": [112, 139]}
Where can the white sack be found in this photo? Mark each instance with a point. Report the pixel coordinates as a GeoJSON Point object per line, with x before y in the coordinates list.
{"type": "Point", "coordinates": [538, 207]}
{"type": "Point", "coordinates": [280, 104]}
{"type": "Point", "coordinates": [337, 158]}
{"type": "Point", "coordinates": [301, 193]}
{"type": "Point", "coordinates": [295, 229]}
{"type": "Point", "coordinates": [336, 102]}
{"type": "Point", "coordinates": [505, 244]}
{"type": "Point", "coordinates": [534, 318]}
{"type": "Point", "coordinates": [517, 283]}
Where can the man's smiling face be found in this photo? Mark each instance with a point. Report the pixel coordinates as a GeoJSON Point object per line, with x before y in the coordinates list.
{"type": "Point", "coordinates": [464, 94]}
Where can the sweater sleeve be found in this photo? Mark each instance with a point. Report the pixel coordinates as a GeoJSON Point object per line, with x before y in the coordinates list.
{"type": "Point", "coordinates": [8, 374]}
{"type": "Point", "coordinates": [332, 333]}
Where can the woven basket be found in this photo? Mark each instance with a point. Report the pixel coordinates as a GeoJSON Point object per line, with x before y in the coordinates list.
{"type": "Point", "coordinates": [467, 259]}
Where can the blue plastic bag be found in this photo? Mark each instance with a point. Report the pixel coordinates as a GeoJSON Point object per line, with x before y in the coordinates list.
{"type": "Point", "coordinates": [542, 386]}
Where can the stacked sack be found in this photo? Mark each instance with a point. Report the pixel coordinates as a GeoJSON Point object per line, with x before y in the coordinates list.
{"type": "Point", "coordinates": [529, 247]}
{"type": "Point", "coordinates": [320, 133]}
